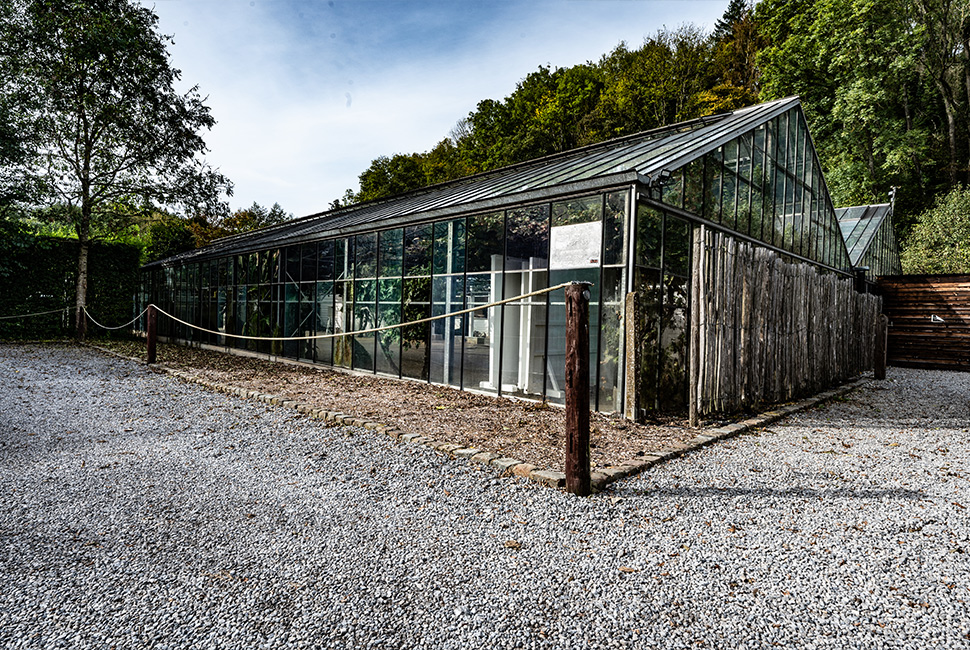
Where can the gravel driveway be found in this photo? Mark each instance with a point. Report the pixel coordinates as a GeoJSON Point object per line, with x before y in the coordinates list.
{"type": "Point", "coordinates": [141, 512]}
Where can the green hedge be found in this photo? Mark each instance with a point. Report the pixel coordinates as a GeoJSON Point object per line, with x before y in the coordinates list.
{"type": "Point", "coordinates": [39, 274]}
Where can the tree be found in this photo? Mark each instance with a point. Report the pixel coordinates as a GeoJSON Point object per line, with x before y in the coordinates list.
{"type": "Point", "coordinates": [252, 218]}
{"type": "Point", "coordinates": [735, 13]}
{"type": "Point", "coordinates": [168, 237]}
{"type": "Point", "coordinates": [113, 137]}
{"type": "Point", "coordinates": [940, 241]}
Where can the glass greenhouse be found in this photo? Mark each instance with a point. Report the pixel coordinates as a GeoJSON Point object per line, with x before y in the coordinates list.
{"type": "Point", "coordinates": [870, 239]}
{"type": "Point", "coordinates": [619, 214]}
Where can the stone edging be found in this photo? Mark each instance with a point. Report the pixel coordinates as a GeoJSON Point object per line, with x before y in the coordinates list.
{"type": "Point", "coordinates": [513, 466]}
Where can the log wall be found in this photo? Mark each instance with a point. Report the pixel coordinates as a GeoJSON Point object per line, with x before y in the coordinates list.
{"type": "Point", "coordinates": [766, 331]}
{"type": "Point", "coordinates": [916, 338]}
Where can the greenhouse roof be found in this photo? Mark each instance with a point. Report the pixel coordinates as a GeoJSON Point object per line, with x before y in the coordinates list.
{"type": "Point", "coordinates": [635, 158]}
{"type": "Point", "coordinates": [859, 225]}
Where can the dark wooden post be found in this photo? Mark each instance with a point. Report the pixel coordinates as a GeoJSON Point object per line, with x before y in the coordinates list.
{"type": "Point", "coordinates": [879, 358]}
{"type": "Point", "coordinates": [152, 332]}
{"type": "Point", "coordinates": [577, 389]}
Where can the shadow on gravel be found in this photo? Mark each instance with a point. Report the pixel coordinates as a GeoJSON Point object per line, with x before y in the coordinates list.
{"type": "Point", "coordinates": [793, 493]}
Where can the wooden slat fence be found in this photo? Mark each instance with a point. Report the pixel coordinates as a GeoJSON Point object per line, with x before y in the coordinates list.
{"type": "Point", "coordinates": [916, 338]}
{"type": "Point", "coordinates": [766, 331]}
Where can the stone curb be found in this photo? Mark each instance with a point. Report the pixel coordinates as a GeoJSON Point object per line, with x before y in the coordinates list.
{"type": "Point", "coordinates": [600, 478]}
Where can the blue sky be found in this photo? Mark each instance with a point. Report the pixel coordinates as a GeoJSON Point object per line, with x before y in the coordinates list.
{"type": "Point", "coordinates": [307, 93]}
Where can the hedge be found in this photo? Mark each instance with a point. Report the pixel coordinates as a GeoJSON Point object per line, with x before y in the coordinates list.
{"type": "Point", "coordinates": [39, 274]}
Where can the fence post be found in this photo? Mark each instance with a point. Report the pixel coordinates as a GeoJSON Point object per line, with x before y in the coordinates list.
{"type": "Point", "coordinates": [577, 389]}
{"type": "Point", "coordinates": [152, 332]}
{"type": "Point", "coordinates": [879, 358]}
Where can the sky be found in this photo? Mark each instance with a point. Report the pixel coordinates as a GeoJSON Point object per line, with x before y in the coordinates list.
{"type": "Point", "coordinates": [306, 93]}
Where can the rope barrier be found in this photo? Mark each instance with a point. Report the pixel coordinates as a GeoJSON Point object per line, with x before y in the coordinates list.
{"type": "Point", "coordinates": [88, 314]}
{"type": "Point", "coordinates": [40, 313]}
{"type": "Point", "coordinates": [365, 331]}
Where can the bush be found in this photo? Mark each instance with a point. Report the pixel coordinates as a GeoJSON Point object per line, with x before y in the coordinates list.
{"type": "Point", "coordinates": [37, 274]}
{"type": "Point", "coordinates": [940, 240]}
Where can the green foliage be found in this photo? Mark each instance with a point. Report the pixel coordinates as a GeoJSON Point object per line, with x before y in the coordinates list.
{"type": "Point", "coordinates": [860, 69]}
{"type": "Point", "coordinates": [168, 237]}
{"type": "Point", "coordinates": [252, 218]}
{"type": "Point", "coordinates": [940, 240]}
{"type": "Point", "coordinates": [37, 274]}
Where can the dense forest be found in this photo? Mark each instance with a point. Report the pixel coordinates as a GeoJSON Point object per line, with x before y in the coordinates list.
{"type": "Point", "coordinates": [885, 86]}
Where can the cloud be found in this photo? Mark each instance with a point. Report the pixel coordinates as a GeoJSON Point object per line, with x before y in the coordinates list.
{"type": "Point", "coordinates": [306, 94]}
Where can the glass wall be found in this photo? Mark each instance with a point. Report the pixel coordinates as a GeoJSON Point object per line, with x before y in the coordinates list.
{"type": "Point", "coordinates": [662, 285]}
{"type": "Point", "coordinates": [375, 279]}
{"type": "Point", "coordinates": [766, 184]}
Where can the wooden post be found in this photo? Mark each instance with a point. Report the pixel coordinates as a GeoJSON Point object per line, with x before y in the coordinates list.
{"type": "Point", "coordinates": [879, 358]}
{"type": "Point", "coordinates": [152, 332]}
{"type": "Point", "coordinates": [577, 389]}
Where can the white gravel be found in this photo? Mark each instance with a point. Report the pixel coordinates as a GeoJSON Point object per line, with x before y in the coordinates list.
{"type": "Point", "coordinates": [141, 512]}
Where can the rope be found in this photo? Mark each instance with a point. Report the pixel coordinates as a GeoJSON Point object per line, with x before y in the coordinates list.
{"type": "Point", "coordinates": [40, 313]}
{"type": "Point", "coordinates": [114, 328]}
{"type": "Point", "coordinates": [366, 331]}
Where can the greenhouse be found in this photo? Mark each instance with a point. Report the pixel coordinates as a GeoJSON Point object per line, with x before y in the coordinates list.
{"type": "Point", "coordinates": [621, 215]}
{"type": "Point", "coordinates": [870, 239]}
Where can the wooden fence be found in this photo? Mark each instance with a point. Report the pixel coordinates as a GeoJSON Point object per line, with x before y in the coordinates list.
{"type": "Point", "coordinates": [766, 331]}
{"type": "Point", "coordinates": [929, 320]}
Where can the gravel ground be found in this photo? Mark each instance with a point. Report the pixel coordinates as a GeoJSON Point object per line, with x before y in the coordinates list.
{"type": "Point", "coordinates": [139, 511]}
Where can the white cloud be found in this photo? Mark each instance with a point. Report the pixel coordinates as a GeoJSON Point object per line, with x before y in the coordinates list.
{"type": "Point", "coordinates": [306, 94]}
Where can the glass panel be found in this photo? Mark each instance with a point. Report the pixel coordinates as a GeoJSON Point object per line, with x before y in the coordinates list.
{"type": "Point", "coordinates": [647, 283]}
{"type": "Point", "coordinates": [365, 249]}
{"type": "Point", "coordinates": [343, 259]}
{"type": "Point", "coordinates": [556, 354]}
{"type": "Point", "coordinates": [365, 307]}
{"type": "Point", "coordinates": [325, 260]}
{"type": "Point", "coordinates": [486, 242]}
{"type": "Point", "coordinates": [743, 216]}
{"type": "Point", "coordinates": [389, 313]}
{"type": "Point", "coordinates": [449, 247]}
{"type": "Point", "coordinates": [308, 265]}
{"type": "Point", "coordinates": [481, 352]}
{"type": "Point", "coordinates": [291, 318]}
{"type": "Point", "coordinates": [274, 265]}
{"type": "Point", "coordinates": [415, 348]}
{"type": "Point", "coordinates": [610, 334]}
{"type": "Point", "coordinates": [390, 254]}
{"type": "Point", "coordinates": [583, 210]}
{"type": "Point", "coordinates": [343, 295]}
{"type": "Point", "coordinates": [672, 389]}
{"type": "Point", "coordinates": [324, 312]}
{"type": "Point", "coordinates": [268, 325]}
{"type": "Point", "coordinates": [524, 330]}
{"type": "Point", "coordinates": [677, 246]}
{"type": "Point", "coordinates": [417, 250]}
{"type": "Point", "coordinates": [673, 189]}
{"type": "Point", "coordinates": [694, 186]}
{"type": "Point", "coordinates": [291, 267]}
{"type": "Point", "coordinates": [649, 222]}
{"type": "Point", "coordinates": [614, 224]}
{"type": "Point", "coordinates": [712, 185]}
{"type": "Point", "coordinates": [527, 238]}
{"type": "Point", "coordinates": [447, 296]}
{"type": "Point", "coordinates": [729, 184]}
{"type": "Point", "coordinates": [307, 319]}
{"type": "Point", "coordinates": [779, 182]}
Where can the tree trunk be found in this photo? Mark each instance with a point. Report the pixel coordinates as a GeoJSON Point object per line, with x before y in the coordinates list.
{"type": "Point", "coordinates": [83, 228]}
{"type": "Point", "coordinates": [80, 319]}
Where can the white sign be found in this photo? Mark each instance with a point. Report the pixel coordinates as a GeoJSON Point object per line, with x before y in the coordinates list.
{"type": "Point", "coordinates": [576, 246]}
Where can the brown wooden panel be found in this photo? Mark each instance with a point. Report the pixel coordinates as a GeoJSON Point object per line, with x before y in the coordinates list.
{"type": "Point", "coordinates": [915, 340]}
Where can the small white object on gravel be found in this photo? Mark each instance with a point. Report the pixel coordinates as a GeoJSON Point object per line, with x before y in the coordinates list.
{"type": "Point", "coordinates": [138, 511]}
